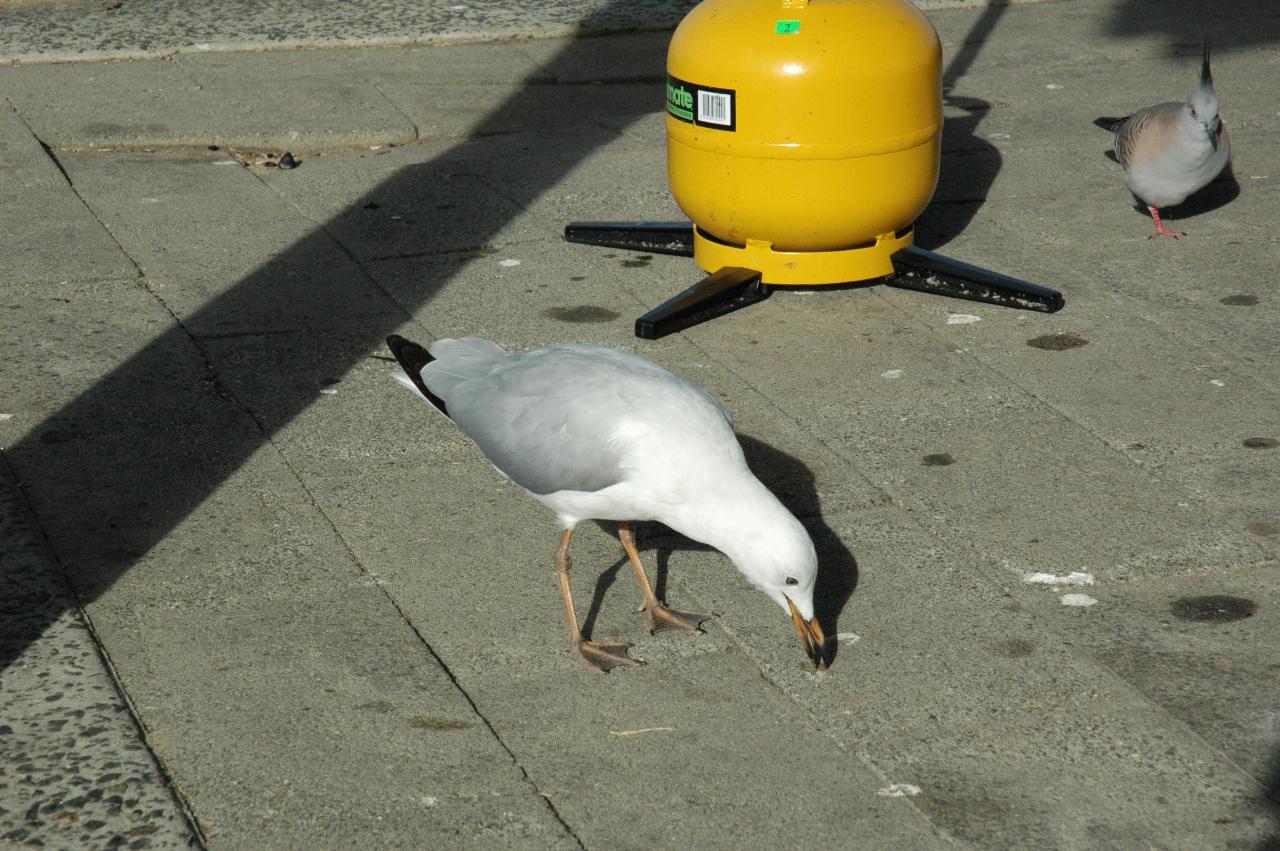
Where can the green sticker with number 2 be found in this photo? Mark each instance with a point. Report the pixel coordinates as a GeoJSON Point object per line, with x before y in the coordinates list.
{"type": "Point", "coordinates": [786, 27]}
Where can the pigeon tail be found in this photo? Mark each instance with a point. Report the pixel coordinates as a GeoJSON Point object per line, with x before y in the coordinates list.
{"type": "Point", "coordinates": [412, 358]}
{"type": "Point", "coordinates": [1109, 123]}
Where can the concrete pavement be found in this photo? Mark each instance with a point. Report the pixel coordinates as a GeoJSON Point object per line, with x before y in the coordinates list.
{"type": "Point", "coordinates": [253, 596]}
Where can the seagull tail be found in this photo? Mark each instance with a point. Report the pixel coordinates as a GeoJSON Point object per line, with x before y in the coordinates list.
{"type": "Point", "coordinates": [412, 358]}
{"type": "Point", "coordinates": [1110, 123]}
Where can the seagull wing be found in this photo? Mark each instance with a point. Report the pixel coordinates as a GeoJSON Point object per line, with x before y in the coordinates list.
{"type": "Point", "coordinates": [544, 418]}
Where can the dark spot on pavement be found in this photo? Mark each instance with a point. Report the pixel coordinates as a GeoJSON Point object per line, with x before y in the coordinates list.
{"type": "Point", "coordinates": [377, 706]}
{"type": "Point", "coordinates": [372, 205]}
{"type": "Point", "coordinates": [328, 382]}
{"type": "Point", "coordinates": [577, 277]}
{"type": "Point", "coordinates": [1213, 608]}
{"type": "Point", "coordinates": [1137, 446]}
{"type": "Point", "coordinates": [1261, 442]}
{"type": "Point", "coordinates": [1014, 648]}
{"type": "Point", "coordinates": [1057, 342]}
{"type": "Point", "coordinates": [637, 262]}
{"type": "Point", "coordinates": [939, 459]}
{"type": "Point", "coordinates": [427, 722]}
{"type": "Point", "coordinates": [1263, 529]}
{"type": "Point", "coordinates": [1241, 300]}
{"type": "Point", "coordinates": [581, 313]}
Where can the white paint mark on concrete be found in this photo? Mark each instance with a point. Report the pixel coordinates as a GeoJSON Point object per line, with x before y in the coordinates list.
{"type": "Point", "coordinates": [150, 200]}
{"type": "Point", "coordinates": [891, 374]}
{"type": "Point", "coordinates": [508, 263]}
{"type": "Point", "coordinates": [962, 319]}
{"type": "Point", "coordinates": [430, 800]}
{"type": "Point", "coordinates": [1217, 382]}
{"type": "Point", "coordinates": [1075, 578]}
{"type": "Point", "coordinates": [1082, 600]}
{"type": "Point", "coordinates": [4, 417]}
{"type": "Point", "coordinates": [329, 391]}
{"type": "Point", "coordinates": [899, 790]}
{"type": "Point", "coordinates": [1053, 86]}
{"type": "Point", "coordinates": [642, 731]}
{"type": "Point", "coordinates": [847, 637]}
{"type": "Point", "coordinates": [998, 136]}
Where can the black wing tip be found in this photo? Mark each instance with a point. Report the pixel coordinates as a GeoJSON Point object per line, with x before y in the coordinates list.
{"type": "Point", "coordinates": [1107, 122]}
{"type": "Point", "coordinates": [412, 358]}
{"type": "Point", "coordinates": [1206, 76]}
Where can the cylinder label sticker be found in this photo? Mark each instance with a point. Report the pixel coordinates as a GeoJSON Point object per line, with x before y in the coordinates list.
{"type": "Point", "coordinates": [705, 106]}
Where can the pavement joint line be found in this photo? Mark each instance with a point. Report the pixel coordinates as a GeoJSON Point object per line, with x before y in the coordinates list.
{"type": "Point", "coordinates": [913, 318]}
{"type": "Point", "coordinates": [269, 439]}
{"type": "Point", "coordinates": [179, 798]}
{"type": "Point", "coordinates": [487, 248]}
{"type": "Point", "coordinates": [1041, 618]}
{"type": "Point", "coordinates": [1151, 702]}
{"type": "Point", "coordinates": [422, 639]}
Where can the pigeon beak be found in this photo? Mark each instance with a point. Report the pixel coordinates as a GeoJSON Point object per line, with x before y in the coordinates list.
{"type": "Point", "coordinates": [815, 643]}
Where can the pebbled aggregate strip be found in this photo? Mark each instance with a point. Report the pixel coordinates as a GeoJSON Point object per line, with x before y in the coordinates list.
{"type": "Point", "coordinates": [74, 771]}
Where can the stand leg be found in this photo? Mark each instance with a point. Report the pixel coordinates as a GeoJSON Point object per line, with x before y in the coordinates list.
{"type": "Point", "coordinates": [653, 237]}
{"type": "Point", "coordinates": [918, 269]}
{"type": "Point", "coordinates": [729, 289]}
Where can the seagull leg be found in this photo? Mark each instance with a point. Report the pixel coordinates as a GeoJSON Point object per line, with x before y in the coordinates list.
{"type": "Point", "coordinates": [600, 656]}
{"type": "Point", "coordinates": [659, 616]}
{"type": "Point", "coordinates": [1161, 230]}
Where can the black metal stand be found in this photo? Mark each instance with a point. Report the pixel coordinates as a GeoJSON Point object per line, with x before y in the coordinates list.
{"type": "Point", "coordinates": [733, 288]}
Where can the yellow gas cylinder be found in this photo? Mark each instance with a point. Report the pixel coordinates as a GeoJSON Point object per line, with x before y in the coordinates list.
{"type": "Point", "coordinates": [803, 136]}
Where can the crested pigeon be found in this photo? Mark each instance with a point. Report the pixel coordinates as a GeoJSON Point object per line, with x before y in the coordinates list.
{"type": "Point", "coordinates": [1172, 150]}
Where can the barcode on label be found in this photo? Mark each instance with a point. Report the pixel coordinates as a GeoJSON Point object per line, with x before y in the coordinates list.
{"type": "Point", "coordinates": [715, 108]}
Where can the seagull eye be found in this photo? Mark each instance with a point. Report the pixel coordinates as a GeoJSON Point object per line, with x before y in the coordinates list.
{"type": "Point", "coordinates": [791, 580]}
{"type": "Point", "coordinates": [1194, 114]}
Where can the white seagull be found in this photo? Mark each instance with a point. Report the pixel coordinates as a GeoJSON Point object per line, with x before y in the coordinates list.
{"type": "Point", "coordinates": [1172, 150]}
{"type": "Point", "coordinates": [595, 433]}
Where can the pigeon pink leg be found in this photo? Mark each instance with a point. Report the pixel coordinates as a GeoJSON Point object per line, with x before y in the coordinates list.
{"type": "Point", "coordinates": [1161, 230]}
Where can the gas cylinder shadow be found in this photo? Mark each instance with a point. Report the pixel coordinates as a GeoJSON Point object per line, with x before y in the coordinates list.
{"type": "Point", "coordinates": [969, 162]}
{"type": "Point", "coordinates": [1271, 798]}
{"type": "Point", "coordinates": [793, 483]}
{"type": "Point", "coordinates": [970, 165]}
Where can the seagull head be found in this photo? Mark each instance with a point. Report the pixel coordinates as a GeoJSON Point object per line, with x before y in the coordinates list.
{"type": "Point", "coordinates": [781, 562]}
{"type": "Point", "coordinates": [1202, 106]}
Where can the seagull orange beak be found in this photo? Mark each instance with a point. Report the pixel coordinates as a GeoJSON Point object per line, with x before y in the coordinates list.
{"type": "Point", "coordinates": [815, 643]}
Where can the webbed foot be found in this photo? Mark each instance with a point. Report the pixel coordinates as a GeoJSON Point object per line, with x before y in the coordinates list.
{"type": "Point", "coordinates": [660, 617]}
{"type": "Point", "coordinates": [604, 656]}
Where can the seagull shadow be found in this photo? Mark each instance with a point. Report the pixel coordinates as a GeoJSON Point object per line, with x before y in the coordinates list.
{"type": "Point", "coordinates": [793, 483]}
{"type": "Point", "coordinates": [603, 583]}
